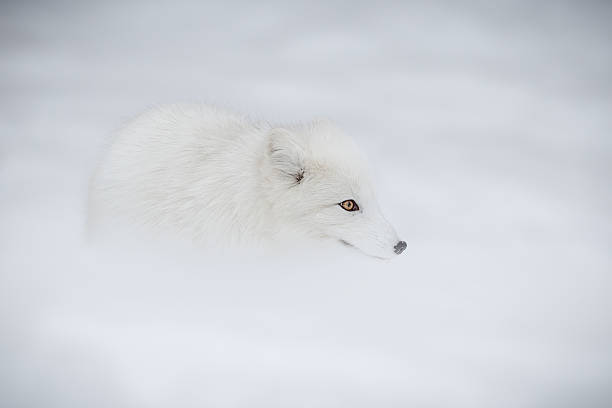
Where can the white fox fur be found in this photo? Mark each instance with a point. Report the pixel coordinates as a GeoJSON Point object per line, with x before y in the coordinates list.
{"type": "Point", "coordinates": [216, 177]}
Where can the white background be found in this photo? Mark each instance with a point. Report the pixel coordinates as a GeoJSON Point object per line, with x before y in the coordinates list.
{"type": "Point", "coordinates": [489, 128]}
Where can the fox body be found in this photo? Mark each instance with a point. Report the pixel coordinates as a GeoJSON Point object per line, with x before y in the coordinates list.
{"type": "Point", "coordinates": [216, 177]}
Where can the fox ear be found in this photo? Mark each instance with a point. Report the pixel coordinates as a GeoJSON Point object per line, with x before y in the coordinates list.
{"type": "Point", "coordinates": [286, 154]}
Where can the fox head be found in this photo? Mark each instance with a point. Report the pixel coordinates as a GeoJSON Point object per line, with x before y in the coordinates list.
{"type": "Point", "coordinates": [318, 183]}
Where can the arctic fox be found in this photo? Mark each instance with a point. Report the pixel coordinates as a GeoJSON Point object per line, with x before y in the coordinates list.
{"type": "Point", "coordinates": [216, 177]}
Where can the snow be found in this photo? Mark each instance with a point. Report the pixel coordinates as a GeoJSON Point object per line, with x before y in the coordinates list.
{"type": "Point", "coordinates": [488, 124]}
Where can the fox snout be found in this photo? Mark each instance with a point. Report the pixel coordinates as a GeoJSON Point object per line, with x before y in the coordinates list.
{"type": "Point", "coordinates": [399, 247]}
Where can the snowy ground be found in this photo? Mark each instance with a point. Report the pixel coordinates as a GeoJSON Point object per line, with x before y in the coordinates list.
{"type": "Point", "coordinates": [489, 126]}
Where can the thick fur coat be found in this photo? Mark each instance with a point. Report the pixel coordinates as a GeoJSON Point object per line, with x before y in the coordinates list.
{"type": "Point", "coordinates": [216, 177]}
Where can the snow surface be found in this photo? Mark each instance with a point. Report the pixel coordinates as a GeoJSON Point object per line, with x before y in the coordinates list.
{"type": "Point", "coordinates": [488, 124]}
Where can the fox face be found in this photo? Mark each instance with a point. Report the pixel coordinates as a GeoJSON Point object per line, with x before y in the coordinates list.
{"type": "Point", "coordinates": [318, 182]}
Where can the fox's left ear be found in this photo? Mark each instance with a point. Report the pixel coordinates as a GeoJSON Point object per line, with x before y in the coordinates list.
{"type": "Point", "coordinates": [286, 154]}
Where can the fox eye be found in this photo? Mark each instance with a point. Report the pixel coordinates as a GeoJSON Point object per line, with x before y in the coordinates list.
{"type": "Point", "coordinates": [349, 205]}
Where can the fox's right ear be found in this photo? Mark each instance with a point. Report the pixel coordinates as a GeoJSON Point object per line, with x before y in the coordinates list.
{"type": "Point", "coordinates": [286, 154]}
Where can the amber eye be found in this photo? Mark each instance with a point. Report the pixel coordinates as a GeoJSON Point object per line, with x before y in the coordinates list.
{"type": "Point", "coordinates": [349, 205]}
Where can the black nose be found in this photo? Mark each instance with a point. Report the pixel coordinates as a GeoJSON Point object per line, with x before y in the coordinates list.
{"type": "Point", "coordinates": [399, 247]}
